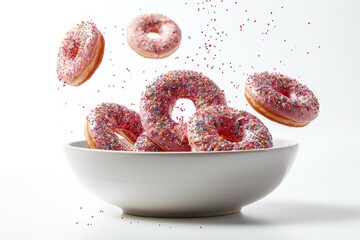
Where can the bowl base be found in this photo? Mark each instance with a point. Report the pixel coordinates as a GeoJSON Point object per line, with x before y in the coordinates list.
{"type": "Point", "coordinates": [184, 214]}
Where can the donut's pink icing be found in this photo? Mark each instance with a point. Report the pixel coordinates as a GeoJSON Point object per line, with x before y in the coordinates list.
{"type": "Point", "coordinates": [283, 95]}
{"type": "Point", "coordinates": [140, 27]}
{"type": "Point", "coordinates": [159, 98]}
{"type": "Point", "coordinates": [144, 144]}
{"type": "Point", "coordinates": [107, 120]}
{"type": "Point", "coordinates": [222, 128]}
{"type": "Point", "coordinates": [76, 51]}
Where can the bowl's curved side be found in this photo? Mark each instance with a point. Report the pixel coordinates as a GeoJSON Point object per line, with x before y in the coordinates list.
{"type": "Point", "coordinates": [181, 185]}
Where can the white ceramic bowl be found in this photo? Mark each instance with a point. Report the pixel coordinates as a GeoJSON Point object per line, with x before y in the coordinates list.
{"type": "Point", "coordinates": [188, 184]}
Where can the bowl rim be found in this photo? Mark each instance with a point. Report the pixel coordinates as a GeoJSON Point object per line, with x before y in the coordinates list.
{"type": "Point", "coordinates": [72, 146]}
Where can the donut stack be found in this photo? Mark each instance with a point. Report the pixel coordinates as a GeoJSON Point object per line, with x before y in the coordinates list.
{"type": "Point", "coordinates": [213, 127]}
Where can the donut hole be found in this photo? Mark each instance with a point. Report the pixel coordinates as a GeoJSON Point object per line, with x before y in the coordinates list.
{"type": "Point", "coordinates": [122, 136]}
{"type": "Point", "coordinates": [72, 49]}
{"type": "Point", "coordinates": [182, 110]}
{"type": "Point", "coordinates": [230, 129]}
{"type": "Point", "coordinates": [283, 91]}
{"type": "Point", "coordinates": [153, 35]}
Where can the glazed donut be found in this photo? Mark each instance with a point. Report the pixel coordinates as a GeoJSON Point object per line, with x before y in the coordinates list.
{"type": "Point", "coordinates": [144, 144]}
{"type": "Point", "coordinates": [108, 120]}
{"type": "Point", "coordinates": [159, 98]}
{"type": "Point", "coordinates": [80, 54]}
{"type": "Point", "coordinates": [139, 40]}
{"type": "Point", "coordinates": [281, 99]}
{"type": "Point", "coordinates": [222, 128]}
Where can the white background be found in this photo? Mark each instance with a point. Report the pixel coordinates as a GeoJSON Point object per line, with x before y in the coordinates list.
{"type": "Point", "coordinates": [316, 42]}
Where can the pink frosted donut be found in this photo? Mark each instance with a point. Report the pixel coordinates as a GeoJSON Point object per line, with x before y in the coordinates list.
{"type": "Point", "coordinates": [281, 99]}
{"type": "Point", "coordinates": [138, 35]}
{"type": "Point", "coordinates": [108, 120]}
{"type": "Point", "coordinates": [159, 98]}
{"type": "Point", "coordinates": [80, 54]}
{"type": "Point", "coordinates": [144, 144]}
{"type": "Point", "coordinates": [222, 128]}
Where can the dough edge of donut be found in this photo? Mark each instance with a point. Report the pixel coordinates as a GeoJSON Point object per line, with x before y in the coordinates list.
{"type": "Point", "coordinates": [90, 142]}
{"type": "Point", "coordinates": [271, 115]}
{"type": "Point", "coordinates": [151, 55]}
{"type": "Point", "coordinates": [90, 69]}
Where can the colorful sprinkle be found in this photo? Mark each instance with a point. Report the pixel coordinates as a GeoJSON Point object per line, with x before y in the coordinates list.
{"type": "Point", "coordinates": [138, 35]}
{"type": "Point", "coordinates": [283, 96]}
{"type": "Point", "coordinates": [160, 97]}
{"type": "Point", "coordinates": [108, 120]}
{"type": "Point", "coordinates": [222, 128]}
{"type": "Point", "coordinates": [81, 46]}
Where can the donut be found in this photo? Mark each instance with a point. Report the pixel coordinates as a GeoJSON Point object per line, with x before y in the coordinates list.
{"type": "Point", "coordinates": [107, 121]}
{"type": "Point", "coordinates": [80, 54]}
{"type": "Point", "coordinates": [159, 98]}
{"type": "Point", "coordinates": [281, 99]}
{"type": "Point", "coordinates": [144, 144]}
{"type": "Point", "coordinates": [140, 28]}
{"type": "Point", "coordinates": [222, 128]}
